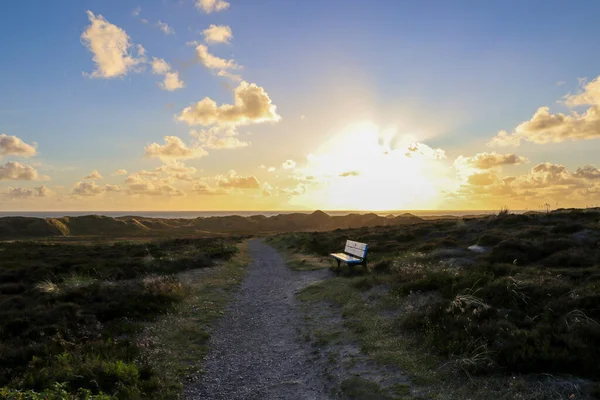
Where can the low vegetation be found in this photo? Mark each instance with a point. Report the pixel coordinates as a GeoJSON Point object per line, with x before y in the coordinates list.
{"type": "Point", "coordinates": [507, 296]}
{"type": "Point", "coordinates": [74, 319]}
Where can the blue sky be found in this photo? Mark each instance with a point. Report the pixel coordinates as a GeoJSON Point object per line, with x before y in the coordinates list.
{"type": "Point", "coordinates": [449, 75]}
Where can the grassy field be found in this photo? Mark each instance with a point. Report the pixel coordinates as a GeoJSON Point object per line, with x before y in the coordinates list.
{"type": "Point", "coordinates": [126, 320]}
{"type": "Point", "coordinates": [517, 316]}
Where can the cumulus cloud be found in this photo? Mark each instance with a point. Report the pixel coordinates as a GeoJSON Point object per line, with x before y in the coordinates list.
{"type": "Point", "coordinates": [546, 127]}
{"type": "Point", "coordinates": [218, 138]}
{"type": "Point", "coordinates": [13, 146]}
{"type": "Point", "coordinates": [138, 185]}
{"type": "Point", "coordinates": [210, 6]}
{"type": "Point", "coordinates": [204, 188]}
{"type": "Point", "coordinates": [111, 47]}
{"type": "Point", "coordinates": [299, 190]}
{"type": "Point", "coordinates": [251, 104]}
{"type": "Point", "coordinates": [171, 82]}
{"type": "Point", "coordinates": [87, 189]}
{"type": "Point", "coordinates": [21, 193]}
{"type": "Point", "coordinates": [271, 169]}
{"type": "Point", "coordinates": [229, 75]}
{"type": "Point", "coordinates": [211, 61]}
{"type": "Point", "coordinates": [489, 160]}
{"type": "Point", "coordinates": [217, 34]}
{"type": "Point", "coordinates": [178, 170]}
{"type": "Point", "coordinates": [590, 94]}
{"type": "Point", "coordinates": [171, 78]}
{"type": "Point", "coordinates": [588, 172]}
{"type": "Point", "coordinates": [93, 175]}
{"type": "Point", "coordinates": [16, 171]}
{"type": "Point", "coordinates": [165, 28]}
{"type": "Point", "coordinates": [423, 150]}
{"type": "Point", "coordinates": [112, 188]}
{"type": "Point", "coordinates": [545, 182]}
{"type": "Point", "coordinates": [288, 164]}
{"type": "Point", "coordinates": [235, 181]}
{"type": "Point", "coordinates": [119, 172]}
{"type": "Point", "coordinates": [160, 66]}
{"type": "Point", "coordinates": [174, 148]}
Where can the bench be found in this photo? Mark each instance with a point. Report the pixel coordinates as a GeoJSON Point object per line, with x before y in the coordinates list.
{"type": "Point", "coordinates": [355, 253]}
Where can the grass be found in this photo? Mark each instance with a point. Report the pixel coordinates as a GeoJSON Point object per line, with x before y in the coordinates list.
{"type": "Point", "coordinates": [362, 389]}
{"type": "Point", "coordinates": [79, 318]}
{"type": "Point", "coordinates": [466, 324]}
{"type": "Point", "coordinates": [301, 261]}
{"type": "Point", "coordinates": [177, 342]}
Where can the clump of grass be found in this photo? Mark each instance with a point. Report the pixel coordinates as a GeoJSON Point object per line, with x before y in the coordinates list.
{"type": "Point", "coordinates": [504, 211]}
{"type": "Point", "coordinates": [47, 286]}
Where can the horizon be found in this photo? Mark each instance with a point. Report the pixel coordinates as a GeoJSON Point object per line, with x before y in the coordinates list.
{"type": "Point", "coordinates": [299, 105]}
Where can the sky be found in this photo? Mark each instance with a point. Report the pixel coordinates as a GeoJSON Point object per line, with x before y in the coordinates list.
{"type": "Point", "coordinates": [299, 105]}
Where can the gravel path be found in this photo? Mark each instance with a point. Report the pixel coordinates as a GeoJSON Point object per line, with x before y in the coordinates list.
{"type": "Point", "coordinates": [256, 351]}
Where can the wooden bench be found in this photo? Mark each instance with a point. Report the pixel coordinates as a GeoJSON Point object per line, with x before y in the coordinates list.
{"type": "Point", "coordinates": [355, 253]}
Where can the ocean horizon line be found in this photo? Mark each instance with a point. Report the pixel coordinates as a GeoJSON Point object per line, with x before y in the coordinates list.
{"type": "Point", "coordinates": [196, 214]}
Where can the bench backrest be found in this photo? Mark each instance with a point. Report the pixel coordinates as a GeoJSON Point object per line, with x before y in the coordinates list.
{"type": "Point", "coordinates": [356, 248]}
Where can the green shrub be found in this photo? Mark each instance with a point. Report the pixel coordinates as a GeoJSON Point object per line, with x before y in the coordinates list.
{"type": "Point", "coordinates": [57, 391]}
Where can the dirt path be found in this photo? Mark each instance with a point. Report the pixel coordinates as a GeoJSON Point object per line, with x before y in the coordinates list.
{"type": "Point", "coordinates": [256, 351]}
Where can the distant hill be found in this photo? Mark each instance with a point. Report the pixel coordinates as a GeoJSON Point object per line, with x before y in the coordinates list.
{"type": "Point", "coordinates": [98, 225]}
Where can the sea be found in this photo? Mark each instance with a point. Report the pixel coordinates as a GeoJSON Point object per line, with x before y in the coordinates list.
{"type": "Point", "coordinates": [196, 214]}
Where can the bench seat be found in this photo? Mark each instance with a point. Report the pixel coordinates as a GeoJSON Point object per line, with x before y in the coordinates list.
{"type": "Point", "coordinates": [355, 253]}
{"type": "Point", "coordinates": [346, 258]}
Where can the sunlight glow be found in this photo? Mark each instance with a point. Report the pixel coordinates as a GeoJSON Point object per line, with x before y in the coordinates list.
{"type": "Point", "coordinates": [360, 169]}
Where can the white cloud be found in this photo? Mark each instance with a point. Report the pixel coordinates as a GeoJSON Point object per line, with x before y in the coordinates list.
{"type": "Point", "coordinates": [235, 181]}
{"type": "Point", "coordinates": [251, 104]}
{"type": "Point", "coordinates": [13, 146]}
{"type": "Point", "coordinates": [87, 188]}
{"type": "Point", "coordinates": [489, 160]}
{"type": "Point", "coordinates": [174, 148]}
{"type": "Point", "coordinates": [151, 187]}
{"type": "Point", "coordinates": [112, 188]}
{"type": "Point", "coordinates": [136, 12]}
{"type": "Point", "coordinates": [204, 188]}
{"type": "Point", "coordinates": [271, 169]}
{"type": "Point", "coordinates": [229, 75]}
{"type": "Point", "coordinates": [590, 94]}
{"type": "Point", "coordinates": [93, 175]}
{"type": "Point", "coordinates": [16, 171]}
{"type": "Point", "coordinates": [21, 193]}
{"type": "Point", "coordinates": [119, 172]}
{"type": "Point", "coordinates": [423, 150]}
{"type": "Point", "coordinates": [111, 48]}
{"type": "Point", "coordinates": [289, 164]}
{"type": "Point", "coordinates": [165, 28]}
{"type": "Point", "coordinates": [171, 82]}
{"type": "Point", "coordinates": [160, 66]}
{"type": "Point", "coordinates": [545, 127]}
{"type": "Point", "coordinates": [171, 78]}
{"type": "Point", "coordinates": [545, 182]}
{"type": "Point", "coordinates": [218, 138]}
{"type": "Point", "coordinates": [178, 170]}
{"type": "Point", "coordinates": [211, 61]}
{"type": "Point", "coordinates": [217, 34]}
{"type": "Point", "coordinates": [210, 6]}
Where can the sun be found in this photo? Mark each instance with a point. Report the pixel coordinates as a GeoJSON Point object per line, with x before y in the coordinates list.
{"type": "Point", "coordinates": [360, 169]}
